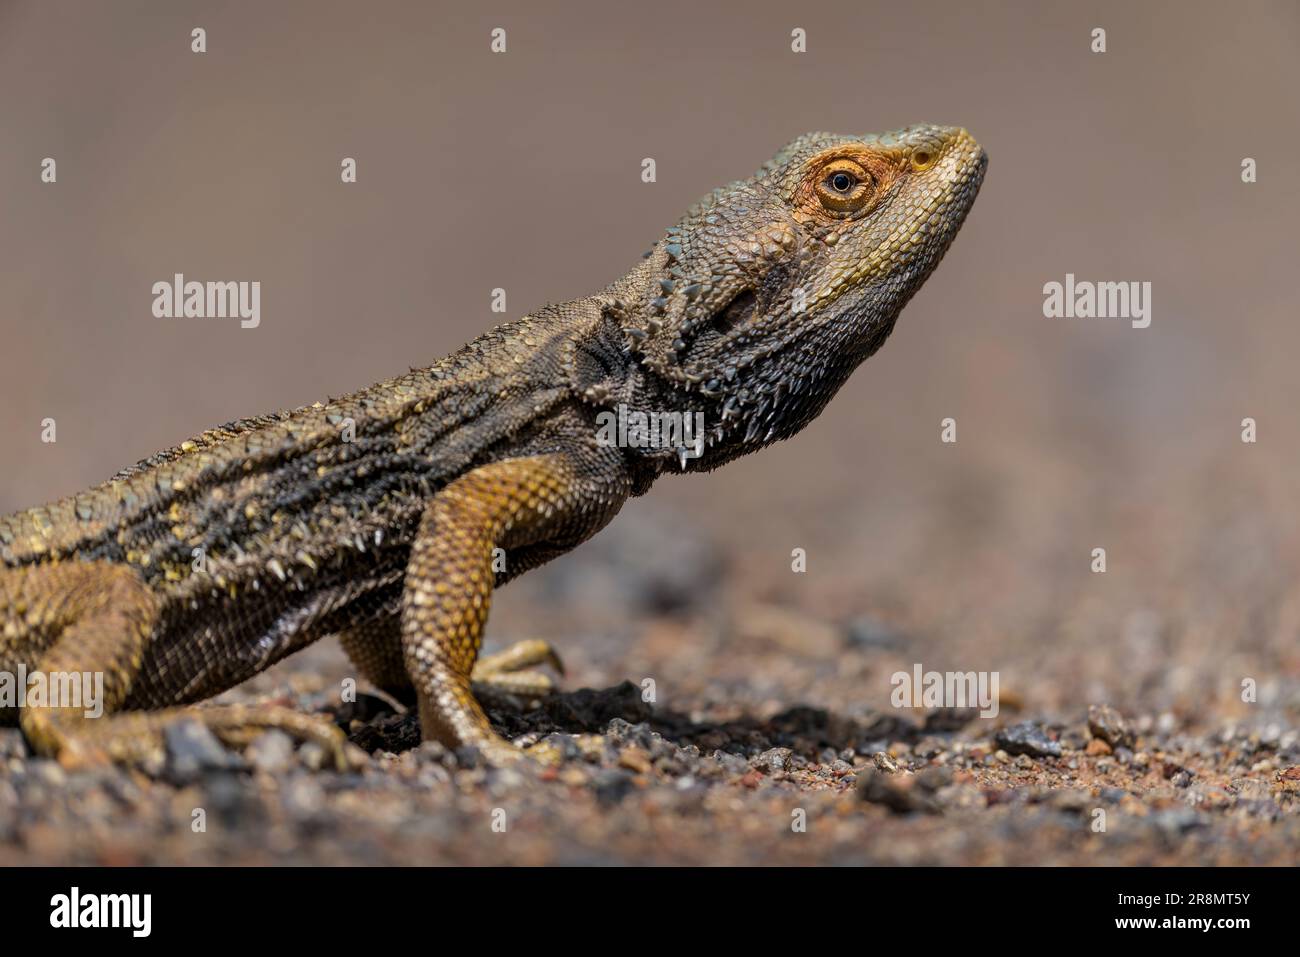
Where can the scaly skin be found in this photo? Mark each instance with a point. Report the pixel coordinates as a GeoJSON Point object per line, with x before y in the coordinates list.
{"type": "Point", "coordinates": [375, 517]}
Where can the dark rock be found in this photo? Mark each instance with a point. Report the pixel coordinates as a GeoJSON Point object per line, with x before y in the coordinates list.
{"type": "Point", "coordinates": [1029, 738]}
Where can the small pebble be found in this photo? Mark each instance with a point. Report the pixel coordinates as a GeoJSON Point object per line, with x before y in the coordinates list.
{"type": "Point", "coordinates": [1108, 724]}
{"type": "Point", "coordinates": [1029, 738]}
{"type": "Point", "coordinates": [270, 752]}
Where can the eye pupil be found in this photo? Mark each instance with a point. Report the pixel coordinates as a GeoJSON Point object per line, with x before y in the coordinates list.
{"type": "Point", "coordinates": [841, 182]}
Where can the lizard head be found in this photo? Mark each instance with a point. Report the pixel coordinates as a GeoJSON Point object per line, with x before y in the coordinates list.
{"type": "Point", "coordinates": [763, 298]}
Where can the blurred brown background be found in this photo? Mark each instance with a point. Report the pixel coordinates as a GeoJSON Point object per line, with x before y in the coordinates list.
{"type": "Point", "coordinates": [522, 171]}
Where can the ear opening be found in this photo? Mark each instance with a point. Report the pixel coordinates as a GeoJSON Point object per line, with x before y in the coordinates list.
{"type": "Point", "coordinates": [705, 336]}
{"type": "Point", "coordinates": [735, 313]}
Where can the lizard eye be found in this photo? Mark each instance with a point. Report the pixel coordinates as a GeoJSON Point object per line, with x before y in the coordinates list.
{"type": "Point", "coordinates": [844, 186]}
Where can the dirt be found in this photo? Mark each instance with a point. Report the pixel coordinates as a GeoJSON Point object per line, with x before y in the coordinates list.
{"type": "Point", "coordinates": [766, 742]}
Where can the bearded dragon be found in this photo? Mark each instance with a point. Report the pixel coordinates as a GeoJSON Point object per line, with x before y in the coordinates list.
{"type": "Point", "coordinates": [387, 517]}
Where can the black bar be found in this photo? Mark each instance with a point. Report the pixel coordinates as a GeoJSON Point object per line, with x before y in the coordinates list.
{"type": "Point", "coordinates": [330, 906]}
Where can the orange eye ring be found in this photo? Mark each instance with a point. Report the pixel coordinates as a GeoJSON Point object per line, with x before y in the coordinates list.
{"type": "Point", "coordinates": [843, 186]}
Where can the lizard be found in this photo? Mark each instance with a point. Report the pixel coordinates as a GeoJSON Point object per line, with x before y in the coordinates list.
{"type": "Point", "coordinates": [388, 516]}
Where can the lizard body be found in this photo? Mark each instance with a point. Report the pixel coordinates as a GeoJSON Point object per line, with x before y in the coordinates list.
{"type": "Point", "coordinates": [377, 516]}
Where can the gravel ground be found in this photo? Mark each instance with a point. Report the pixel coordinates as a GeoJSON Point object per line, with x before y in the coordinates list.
{"type": "Point", "coordinates": [764, 746]}
{"type": "Point", "coordinates": [803, 786]}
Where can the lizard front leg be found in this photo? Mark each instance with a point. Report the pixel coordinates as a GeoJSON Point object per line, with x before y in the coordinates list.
{"type": "Point", "coordinates": [548, 502]}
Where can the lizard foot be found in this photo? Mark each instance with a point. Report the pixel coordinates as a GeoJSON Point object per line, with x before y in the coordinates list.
{"type": "Point", "coordinates": [140, 737]}
{"type": "Point", "coordinates": [509, 672]}
{"type": "Point", "coordinates": [238, 724]}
